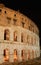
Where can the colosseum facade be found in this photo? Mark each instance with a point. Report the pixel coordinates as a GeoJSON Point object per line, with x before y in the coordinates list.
{"type": "Point", "coordinates": [19, 36]}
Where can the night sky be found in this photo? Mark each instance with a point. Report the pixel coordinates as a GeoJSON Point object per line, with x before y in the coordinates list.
{"type": "Point", "coordinates": [30, 8]}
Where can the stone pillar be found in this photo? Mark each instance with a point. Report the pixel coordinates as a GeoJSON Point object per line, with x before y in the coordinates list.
{"type": "Point", "coordinates": [11, 35]}
{"type": "Point", "coordinates": [19, 35]}
{"type": "Point", "coordinates": [19, 55]}
{"type": "Point", "coordinates": [1, 33]}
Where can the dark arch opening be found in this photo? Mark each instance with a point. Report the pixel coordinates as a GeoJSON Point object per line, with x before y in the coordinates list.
{"type": "Point", "coordinates": [6, 34]}
{"type": "Point", "coordinates": [6, 54]}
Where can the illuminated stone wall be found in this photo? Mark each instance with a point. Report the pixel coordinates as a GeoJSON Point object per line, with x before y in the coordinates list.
{"type": "Point", "coordinates": [19, 35]}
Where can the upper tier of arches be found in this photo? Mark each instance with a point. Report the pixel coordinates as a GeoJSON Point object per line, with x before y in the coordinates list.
{"type": "Point", "coordinates": [9, 17]}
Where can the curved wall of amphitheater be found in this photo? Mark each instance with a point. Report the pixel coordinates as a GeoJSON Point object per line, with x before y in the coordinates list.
{"type": "Point", "coordinates": [19, 36]}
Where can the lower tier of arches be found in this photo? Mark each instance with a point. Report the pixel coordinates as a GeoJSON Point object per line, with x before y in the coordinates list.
{"type": "Point", "coordinates": [17, 52]}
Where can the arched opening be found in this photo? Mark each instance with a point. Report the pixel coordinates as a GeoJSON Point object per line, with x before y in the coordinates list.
{"type": "Point", "coordinates": [35, 41]}
{"type": "Point", "coordinates": [21, 37]}
{"type": "Point", "coordinates": [28, 39]}
{"type": "Point", "coordinates": [31, 40]}
{"type": "Point", "coordinates": [15, 55]}
{"type": "Point", "coordinates": [32, 54]}
{"type": "Point", "coordinates": [35, 53]}
{"type": "Point", "coordinates": [6, 34]}
{"type": "Point", "coordinates": [6, 54]}
{"type": "Point", "coordinates": [28, 55]}
{"type": "Point", "coordinates": [23, 55]}
{"type": "Point", "coordinates": [15, 36]}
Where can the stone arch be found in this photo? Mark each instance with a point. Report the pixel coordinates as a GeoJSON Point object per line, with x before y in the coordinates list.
{"type": "Point", "coordinates": [23, 54]}
{"type": "Point", "coordinates": [28, 39]}
{"type": "Point", "coordinates": [6, 54]}
{"type": "Point", "coordinates": [6, 34]}
{"type": "Point", "coordinates": [15, 35]}
{"type": "Point", "coordinates": [15, 55]}
{"type": "Point", "coordinates": [35, 53]}
{"type": "Point", "coordinates": [31, 40]}
{"type": "Point", "coordinates": [35, 41]}
{"type": "Point", "coordinates": [22, 37]}
{"type": "Point", "coordinates": [32, 54]}
{"type": "Point", "coordinates": [28, 54]}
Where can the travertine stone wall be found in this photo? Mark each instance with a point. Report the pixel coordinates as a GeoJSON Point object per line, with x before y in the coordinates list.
{"type": "Point", "coordinates": [27, 34]}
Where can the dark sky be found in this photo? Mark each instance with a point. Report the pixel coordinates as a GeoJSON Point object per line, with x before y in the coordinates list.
{"type": "Point", "coordinates": [30, 8]}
